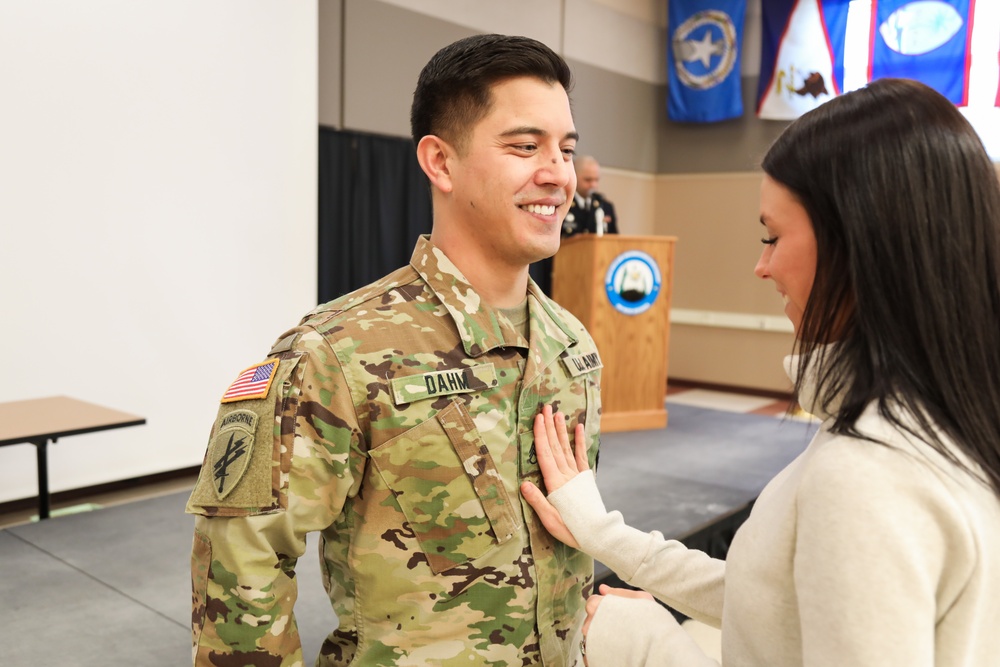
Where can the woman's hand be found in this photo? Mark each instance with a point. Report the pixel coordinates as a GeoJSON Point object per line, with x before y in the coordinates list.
{"type": "Point", "coordinates": [559, 465]}
{"type": "Point", "coordinates": [594, 601]}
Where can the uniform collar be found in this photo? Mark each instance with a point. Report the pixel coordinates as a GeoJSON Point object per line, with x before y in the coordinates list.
{"type": "Point", "coordinates": [479, 326]}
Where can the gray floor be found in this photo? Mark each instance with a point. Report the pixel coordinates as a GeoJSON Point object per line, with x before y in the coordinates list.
{"type": "Point", "coordinates": [111, 588]}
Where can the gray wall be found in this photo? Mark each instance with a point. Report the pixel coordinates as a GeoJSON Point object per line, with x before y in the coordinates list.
{"type": "Point", "coordinates": [730, 146]}
{"type": "Point", "coordinates": [370, 54]}
{"type": "Point", "coordinates": [616, 117]}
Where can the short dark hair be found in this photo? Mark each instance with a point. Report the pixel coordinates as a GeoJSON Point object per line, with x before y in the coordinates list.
{"type": "Point", "coordinates": [453, 90]}
{"type": "Point", "coordinates": [905, 206]}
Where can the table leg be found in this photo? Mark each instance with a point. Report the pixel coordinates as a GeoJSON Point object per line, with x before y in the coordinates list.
{"type": "Point", "coordinates": [41, 449]}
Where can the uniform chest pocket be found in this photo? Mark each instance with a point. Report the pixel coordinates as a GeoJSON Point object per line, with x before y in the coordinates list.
{"type": "Point", "coordinates": [448, 487]}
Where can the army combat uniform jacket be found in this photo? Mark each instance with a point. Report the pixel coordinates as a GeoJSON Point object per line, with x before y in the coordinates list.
{"type": "Point", "coordinates": [397, 421]}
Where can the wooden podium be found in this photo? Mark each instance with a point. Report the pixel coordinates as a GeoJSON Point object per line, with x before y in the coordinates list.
{"type": "Point", "coordinates": [610, 283]}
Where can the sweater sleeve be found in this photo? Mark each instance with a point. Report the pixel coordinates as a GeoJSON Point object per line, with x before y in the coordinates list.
{"type": "Point", "coordinates": [686, 579]}
{"type": "Point", "coordinates": [879, 544]}
{"type": "Point", "coordinates": [654, 637]}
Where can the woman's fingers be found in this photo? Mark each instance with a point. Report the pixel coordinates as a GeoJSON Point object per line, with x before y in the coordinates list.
{"type": "Point", "coordinates": [625, 593]}
{"type": "Point", "coordinates": [555, 432]}
{"type": "Point", "coordinates": [552, 441]}
{"type": "Point", "coordinates": [582, 463]}
{"type": "Point", "coordinates": [593, 602]}
{"type": "Point", "coordinates": [555, 454]}
{"type": "Point", "coordinates": [546, 460]}
{"type": "Point", "coordinates": [564, 444]}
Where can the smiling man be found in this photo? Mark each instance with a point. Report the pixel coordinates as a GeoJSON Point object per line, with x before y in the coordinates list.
{"type": "Point", "coordinates": [397, 420]}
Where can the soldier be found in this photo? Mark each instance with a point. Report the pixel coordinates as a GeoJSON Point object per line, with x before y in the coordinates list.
{"type": "Point", "coordinates": [397, 420]}
{"type": "Point", "coordinates": [591, 212]}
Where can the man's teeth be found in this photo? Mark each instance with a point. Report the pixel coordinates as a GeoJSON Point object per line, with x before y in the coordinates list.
{"type": "Point", "coordinates": [539, 209]}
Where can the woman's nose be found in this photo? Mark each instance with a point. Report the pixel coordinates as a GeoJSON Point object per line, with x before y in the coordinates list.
{"type": "Point", "coordinates": [761, 269]}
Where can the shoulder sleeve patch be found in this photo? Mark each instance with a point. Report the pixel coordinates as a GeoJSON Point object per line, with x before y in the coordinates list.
{"type": "Point", "coordinates": [254, 382]}
{"type": "Point", "coordinates": [239, 474]}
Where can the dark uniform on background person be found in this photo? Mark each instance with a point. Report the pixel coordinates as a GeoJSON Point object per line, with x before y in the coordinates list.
{"type": "Point", "coordinates": [397, 420]}
{"type": "Point", "coordinates": [591, 212]}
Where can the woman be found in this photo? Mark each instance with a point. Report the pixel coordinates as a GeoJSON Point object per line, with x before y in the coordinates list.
{"type": "Point", "coordinates": [880, 544]}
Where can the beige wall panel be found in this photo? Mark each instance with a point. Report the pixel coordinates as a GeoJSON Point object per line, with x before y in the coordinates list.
{"type": "Point", "coordinates": [634, 196]}
{"type": "Point", "coordinates": [628, 38]}
{"type": "Point", "coordinates": [385, 49]}
{"type": "Point", "coordinates": [329, 84]}
{"type": "Point", "coordinates": [648, 11]}
{"type": "Point", "coordinates": [715, 218]}
{"type": "Point", "coordinates": [733, 357]}
{"type": "Point", "coordinates": [506, 18]}
{"type": "Point", "coordinates": [615, 116]}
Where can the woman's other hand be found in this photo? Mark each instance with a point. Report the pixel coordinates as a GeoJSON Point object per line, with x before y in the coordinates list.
{"type": "Point", "coordinates": [594, 601]}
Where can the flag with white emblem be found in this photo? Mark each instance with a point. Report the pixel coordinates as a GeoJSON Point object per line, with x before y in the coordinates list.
{"type": "Point", "coordinates": [813, 50]}
{"type": "Point", "coordinates": [703, 60]}
{"type": "Point", "coordinates": [925, 40]}
{"type": "Point", "coordinates": [802, 56]}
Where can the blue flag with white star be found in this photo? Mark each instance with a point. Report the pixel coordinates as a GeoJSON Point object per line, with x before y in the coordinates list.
{"type": "Point", "coordinates": [703, 60]}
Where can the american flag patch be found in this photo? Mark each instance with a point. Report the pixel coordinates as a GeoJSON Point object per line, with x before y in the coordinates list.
{"type": "Point", "coordinates": [254, 382]}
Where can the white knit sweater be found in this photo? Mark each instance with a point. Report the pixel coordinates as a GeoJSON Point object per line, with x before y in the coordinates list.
{"type": "Point", "coordinates": [856, 554]}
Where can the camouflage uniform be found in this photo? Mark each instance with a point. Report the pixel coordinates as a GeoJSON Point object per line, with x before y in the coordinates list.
{"type": "Point", "coordinates": [398, 422]}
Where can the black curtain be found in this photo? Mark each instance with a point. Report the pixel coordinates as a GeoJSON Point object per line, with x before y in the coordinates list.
{"type": "Point", "coordinates": [374, 201]}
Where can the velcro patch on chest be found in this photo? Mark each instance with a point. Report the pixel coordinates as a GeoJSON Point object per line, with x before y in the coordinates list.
{"type": "Point", "coordinates": [443, 383]}
{"type": "Point", "coordinates": [579, 364]}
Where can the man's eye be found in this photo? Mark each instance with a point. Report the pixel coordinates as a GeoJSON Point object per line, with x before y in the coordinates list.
{"type": "Point", "coordinates": [771, 240]}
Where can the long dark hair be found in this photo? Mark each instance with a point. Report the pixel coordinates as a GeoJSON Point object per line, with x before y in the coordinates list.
{"type": "Point", "coordinates": [905, 205]}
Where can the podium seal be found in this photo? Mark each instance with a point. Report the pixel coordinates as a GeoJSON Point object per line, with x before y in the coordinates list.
{"type": "Point", "coordinates": [632, 282]}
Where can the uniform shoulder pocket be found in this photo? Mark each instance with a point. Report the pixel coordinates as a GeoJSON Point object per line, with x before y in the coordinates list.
{"type": "Point", "coordinates": [241, 473]}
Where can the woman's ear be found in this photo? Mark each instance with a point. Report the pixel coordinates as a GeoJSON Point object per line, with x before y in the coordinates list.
{"type": "Point", "coordinates": [434, 155]}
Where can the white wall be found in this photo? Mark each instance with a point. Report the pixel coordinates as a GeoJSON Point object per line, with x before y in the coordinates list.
{"type": "Point", "coordinates": [157, 214]}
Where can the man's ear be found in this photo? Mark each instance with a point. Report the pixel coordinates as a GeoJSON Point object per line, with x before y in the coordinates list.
{"type": "Point", "coordinates": [434, 155]}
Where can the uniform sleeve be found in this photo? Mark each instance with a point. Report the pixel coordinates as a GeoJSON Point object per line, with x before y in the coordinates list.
{"type": "Point", "coordinates": [686, 579]}
{"type": "Point", "coordinates": [873, 532]}
{"type": "Point", "coordinates": [244, 558]}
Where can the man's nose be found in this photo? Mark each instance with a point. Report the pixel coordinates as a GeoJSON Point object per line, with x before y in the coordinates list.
{"type": "Point", "coordinates": [555, 171]}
